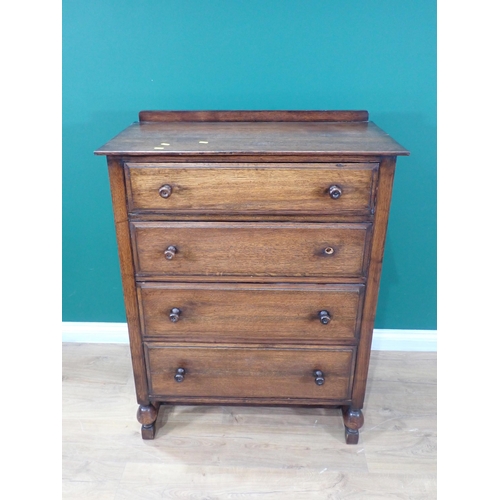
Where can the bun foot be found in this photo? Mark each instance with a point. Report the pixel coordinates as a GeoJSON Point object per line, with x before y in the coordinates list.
{"type": "Point", "coordinates": [353, 421]}
{"type": "Point", "coordinates": [147, 415]}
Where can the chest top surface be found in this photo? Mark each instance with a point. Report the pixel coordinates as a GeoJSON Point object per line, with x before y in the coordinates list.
{"type": "Point", "coordinates": [273, 133]}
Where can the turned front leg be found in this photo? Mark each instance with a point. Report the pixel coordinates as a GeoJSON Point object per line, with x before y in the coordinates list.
{"type": "Point", "coordinates": [353, 421]}
{"type": "Point", "coordinates": [147, 415]}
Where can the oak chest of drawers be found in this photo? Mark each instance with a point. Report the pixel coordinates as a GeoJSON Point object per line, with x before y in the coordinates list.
{"type": "Point", "coordinates": [251, 246]}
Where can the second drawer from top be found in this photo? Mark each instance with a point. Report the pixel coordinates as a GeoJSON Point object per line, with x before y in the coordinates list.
{"type": "Point", "coordinates": [250, 249]}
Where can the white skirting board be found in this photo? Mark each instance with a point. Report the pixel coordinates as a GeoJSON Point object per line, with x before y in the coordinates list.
{"type": "Point", "coordinates": [383, 340]}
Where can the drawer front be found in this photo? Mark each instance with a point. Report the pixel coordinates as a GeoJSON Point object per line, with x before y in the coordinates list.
{"type": "Point", "coordinates": [236, 312]}
{"type": "Point", "coordinates": [252, 372]}
{"type": "Point", "coordinates": [249, 249]}
{"type": "Point", "coordinates": [251, 188]}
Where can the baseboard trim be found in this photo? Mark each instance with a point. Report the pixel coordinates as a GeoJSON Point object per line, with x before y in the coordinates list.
{"type": "Point", "coordinates": [117, 333]}
{"type": "Point", "coordinates": [404, 340]}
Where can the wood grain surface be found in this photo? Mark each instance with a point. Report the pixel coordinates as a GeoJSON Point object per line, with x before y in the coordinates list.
{"type": "Point", "coordinates": [258, 313]}
{"type": "Point", "coordinates": [248, 372]}
{"type": "Point", "coordinates": [250, 249]}
{"type": "Point", "coordinates": [253, 116]}
{"type": "Point", "coordinates": [384, 193]}
{"type": "Point", "coordinates": [118, 196]}
{"type": "Point", "coordinates": [247, 138]}
{"type": "Point", "coordinates": [251, 187]}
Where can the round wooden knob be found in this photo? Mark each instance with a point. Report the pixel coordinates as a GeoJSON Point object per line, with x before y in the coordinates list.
{"type": "Point", "coordinates": [335, 192]}
{"type": "Point", "coordinates": [179, 374]}
{"type": "Point", "coordinates": [319, 378]}
{"type": "Point", "coordinates": [324, 317]}
{"type": "Point", "coordinates": [175, 315]}
{"type": "Point", "coordinates": [165, 191]}
{"type": "Point", "coordinates": [170, 252]}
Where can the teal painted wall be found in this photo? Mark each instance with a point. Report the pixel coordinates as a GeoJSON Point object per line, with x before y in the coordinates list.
{"type": "Point", "coordinates": [121, 56]}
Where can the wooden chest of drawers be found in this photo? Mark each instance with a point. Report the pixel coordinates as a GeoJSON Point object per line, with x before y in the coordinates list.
{"type": "Point", "coordinates": [251, 246]}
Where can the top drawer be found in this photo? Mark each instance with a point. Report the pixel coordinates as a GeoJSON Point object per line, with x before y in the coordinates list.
{"type": "Point", "coordinates": [259, 188]}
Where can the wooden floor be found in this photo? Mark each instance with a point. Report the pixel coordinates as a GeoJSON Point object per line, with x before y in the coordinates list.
{"type": "Point", "coordinates": [240, 452]}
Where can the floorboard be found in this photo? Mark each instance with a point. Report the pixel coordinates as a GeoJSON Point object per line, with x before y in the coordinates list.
{"type": "Point", "coordinates": [213, 452]}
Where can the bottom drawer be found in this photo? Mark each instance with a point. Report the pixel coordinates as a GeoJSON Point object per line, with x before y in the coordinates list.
{"type": "Point", "coordinates": [249, 372]}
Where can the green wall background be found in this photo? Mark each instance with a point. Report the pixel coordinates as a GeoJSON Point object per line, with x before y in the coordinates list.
{"type": "Point", "coordinates": [122, 56]}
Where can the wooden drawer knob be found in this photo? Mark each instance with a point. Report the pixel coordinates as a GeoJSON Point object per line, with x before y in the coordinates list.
{"type": "Point", "coordinates": [170, 252]}
{"type": "Point", "coordinates": [179, 374]}
{"type": "Point", "coordinates": [319, 378]}
{"type": "Point", "coordinates": [335, 192]}
{"type": "Point", "coordinates": [324, 317]}
{"type": "Point", "coordinates": [165, 191]}
{"type": "Point", "coordinates": [175, 315]}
